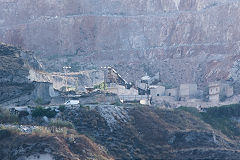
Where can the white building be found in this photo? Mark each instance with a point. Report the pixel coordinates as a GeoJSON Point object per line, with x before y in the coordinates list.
{"type": "Point", "coordinates": [188, 91]}
{"type": "Point", "coordinates": [219, 91]}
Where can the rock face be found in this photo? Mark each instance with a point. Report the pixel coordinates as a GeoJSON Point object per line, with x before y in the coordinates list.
{"type": "Point", "coordinates": [186, 40]}
{"type": "Point", "coordinates": [13, 74]}
{"type": "Point", "coordinates": [78, 80]}
{"type": "Point", "coordinates": [15, 87]}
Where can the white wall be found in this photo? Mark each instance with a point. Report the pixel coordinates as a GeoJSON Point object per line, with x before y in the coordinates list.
{"type": "Point", "coordinates": [188, 90]}
{"type": "Point", "coordinates": [157, 91]}
{"type": "Point", "coordinates": [172, 92]}
{"type": "Point", "coordinates": [121, 90]}
{"type": "Point", "coordinates": [214, 98]}
{"type": "Point", "coordinates": [214, 90]}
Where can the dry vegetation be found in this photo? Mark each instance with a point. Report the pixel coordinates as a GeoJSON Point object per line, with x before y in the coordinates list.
{"type": "Point", "coordinates": [7, 117]}
{"type": "Point", "coordinates": [61, 143]}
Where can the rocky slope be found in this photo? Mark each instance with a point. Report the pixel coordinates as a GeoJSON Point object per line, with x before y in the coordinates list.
{"type": "Point", "coordinates": [186, 40]}
{"type": "Point", "coordinates": [134, 132]}
{"type": "Point", "coordinates": [15, 86]}
{"type": "Point", "coordinates": [49, 147]}
{"type": "Point", "coordinates": [13, 74]}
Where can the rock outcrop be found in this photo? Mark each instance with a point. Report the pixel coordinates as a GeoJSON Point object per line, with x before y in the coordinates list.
{"type": "Point", "coordinates": [15, 86]}
{"type": "Point", "coordinates": [76, 80]}
{"type": "Point", "coordinates": [50, 147]}
{"type": "Point", "coordinates": [13, 74]}
{"type": "Point", "coordinates": [186, 40]}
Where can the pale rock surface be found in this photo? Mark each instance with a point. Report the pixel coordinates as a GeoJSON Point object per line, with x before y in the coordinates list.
{"type": "Point", "coordinates": [186, 40]}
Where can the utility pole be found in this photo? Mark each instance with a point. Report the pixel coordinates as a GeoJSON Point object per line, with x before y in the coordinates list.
{"type": "Point", "coordinates": [76, 85]}
{"type": "Point", "coordinates": [65, 69]}
{"type": "Point", "coordinates": [105, 78]}
{"type": "Point", "coordinates": [148, 94]}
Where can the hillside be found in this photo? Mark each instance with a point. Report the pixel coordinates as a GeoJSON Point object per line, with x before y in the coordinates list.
{"type": "Point", "coordinates": [18, 146]}
{"type": "Point", "coordinates": [152, 133]}
{"type": "Point", "coordinates": [186, 40]}
{"type": "Point", "coordinates": [116, 131]}
{"type": "Point", "coordinates": [54, 52]}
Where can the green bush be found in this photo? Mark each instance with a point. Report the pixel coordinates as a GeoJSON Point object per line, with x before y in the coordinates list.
{"type": "Point", "coordinates": [100, 86]}
{"type": "Point", "coordinates": [61, 124]}
{"type": "Point", "coordinates": [41, 112]}
{"type": "Point", "coordinates": [219, 118]}
{"type": "Point", "coordinates": [62, 108]}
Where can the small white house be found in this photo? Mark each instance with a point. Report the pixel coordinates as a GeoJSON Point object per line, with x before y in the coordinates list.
{"type": "Point", "coordinates": [214, 92]}
{"type": "Point", "coordinates": [219, 91]}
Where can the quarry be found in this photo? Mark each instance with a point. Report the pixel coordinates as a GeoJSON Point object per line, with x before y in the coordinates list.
{"type": "Point", "coordinates": [148, 90]}
{"type": "Point", "coordinates": [60, 116]}
{"type": "Point", "coordinates": [119, 79]}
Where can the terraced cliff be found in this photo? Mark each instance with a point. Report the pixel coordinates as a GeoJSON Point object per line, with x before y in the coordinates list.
{"type": "Point", "coordinates": [186, 40]}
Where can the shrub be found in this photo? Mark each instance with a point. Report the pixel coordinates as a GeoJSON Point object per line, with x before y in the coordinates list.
{"type": "Point", "coordinates": [4, 133]}
{"type": "Point", "coordinates": [41, 131]}
{"type": "Point", "coordinates": [61, 124]}
{"type": "Point", "coordinates": [23, 114]}
{"type": "Point", "coordinates": [117, 103]}
{"type": "Point", "coordinates": [41, 112]}
{"type": "Point", "coordinates": [62, 108]}
{"type": "Point", "coordinates": [84, 107]}
{"type": "Point", "coordinates": [7, 117]}
{"type": "Point", "coordinates": [100, 86]}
